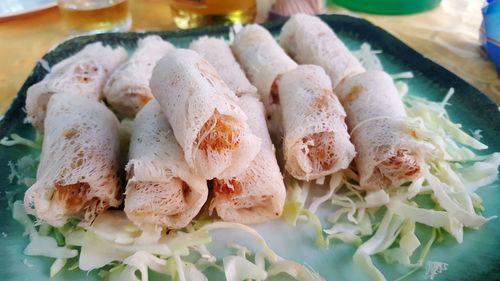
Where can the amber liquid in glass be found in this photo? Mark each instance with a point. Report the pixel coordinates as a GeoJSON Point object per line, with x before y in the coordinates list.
{"type": "Point", "coordinates": [195, 13]}
{"type": "Point", "coordinates": [95, 16]}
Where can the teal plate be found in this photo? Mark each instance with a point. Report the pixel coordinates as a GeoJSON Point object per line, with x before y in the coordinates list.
{"type": "Point", "coordinates": [477, 258]}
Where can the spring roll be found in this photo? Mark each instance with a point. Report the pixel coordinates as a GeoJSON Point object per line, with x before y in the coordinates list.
{"type": "Point", "coordinates": [316, 142]}
{"type": "Point", "coordinates": [84, 73]}
{"type": "Point", "coordinates": [161, 189]}
{"type": "Point", "coordinates": [127, 89]}
{"type": "Point", "coordinates": [77, 175]}
{"type": "Point", "coordinates": [258, 194]}
{"type": "Point", "coordinates": [308, 40]}
{"type": "Point", "coordinates": [218, 53]}
{"type": "Point", "coordinates": [205, 117]}
{"type": "Point", "coordinates": [263, 60]}
{"type": "Point", "coordinates": [387, 153]}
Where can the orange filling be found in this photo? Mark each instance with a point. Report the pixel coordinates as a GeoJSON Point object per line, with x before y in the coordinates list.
{"type": "Point", "coordinates": [321, 150]}
{"type": "Point", "coordinates": [73, 195]}
{"type": "Point", "coordinates": [398, 162]}
{"type": "Point", "coordinates": [275, 94]}
{"type": "Point", "coordinates": [144, 99]}
{"type": "Point", "coordinates": [217, 134]}
{"type": "Point", "coordinates": [226, 187]}
{"type": "Point", "coordinates": [186, 189]}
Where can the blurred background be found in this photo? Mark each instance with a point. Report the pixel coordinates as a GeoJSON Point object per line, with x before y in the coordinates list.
{"type": "Point", "coordinates": [446, 31]}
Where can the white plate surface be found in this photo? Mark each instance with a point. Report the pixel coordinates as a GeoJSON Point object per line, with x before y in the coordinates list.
{"type": "Point", "coordinates": [11, 8]}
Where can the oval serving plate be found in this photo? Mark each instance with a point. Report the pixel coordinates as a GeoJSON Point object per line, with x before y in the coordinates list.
{"type": "Point", "coordinates": [12, 8]}
{"type": "Point", "coordinates": [477, 258]}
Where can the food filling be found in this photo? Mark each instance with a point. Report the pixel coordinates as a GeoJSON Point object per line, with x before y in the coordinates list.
{"type": "Point", "coordinates": [320, 150]}
{"type": "Point", "coordinates": [73, 196]}
{"type": "Point", "coordinates": [403, 165]}
{"type": "Point", "coordinates": [218, 134]}
{"type": "Point", "coordinates": [226, 188]}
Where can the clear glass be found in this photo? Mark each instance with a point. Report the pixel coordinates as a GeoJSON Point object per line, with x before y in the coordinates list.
{"type": "Point", "coordinates": [195, 13]}
{"type": "Point", "coordinates": [95, 16]}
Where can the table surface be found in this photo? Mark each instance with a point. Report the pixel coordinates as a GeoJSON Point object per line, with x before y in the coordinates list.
{"type": "Point", "coordinates": [448, 35]}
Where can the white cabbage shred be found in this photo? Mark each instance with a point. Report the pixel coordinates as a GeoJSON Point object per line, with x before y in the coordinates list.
{"type": "Point", "coordinates": [15, 139]}
{"type": "Point", "coordinates": [113, 238]}
{"type": "Point", "coordinates": [368, 57]}
{"type": "Point", "coordinates": [434, 268]}
{"type": "Point", "coordinates": [41, 245]}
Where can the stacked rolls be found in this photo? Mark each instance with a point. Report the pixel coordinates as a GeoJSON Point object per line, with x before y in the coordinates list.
{"type": "Point", "coordinates": [161, 189]}
{"type": "Point", "coordinates": [204, 114]}
{"type": "Point", "coordinates": [258, 193]}
{"type": "Point", "coordinates": [387, 155]}
{"type": "Point", "coordinates": [201, 124]}
{"type": "Point", "coordinates": [311, 119]}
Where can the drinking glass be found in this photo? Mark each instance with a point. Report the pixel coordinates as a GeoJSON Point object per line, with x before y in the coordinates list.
{"type": "Point", "coordinates": [195, 13]}
{"type": "Point", "coordinates": [95, 16]}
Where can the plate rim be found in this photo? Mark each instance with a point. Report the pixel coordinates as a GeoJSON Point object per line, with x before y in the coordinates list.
{"type": "Point", "coordinates": [53, 3]}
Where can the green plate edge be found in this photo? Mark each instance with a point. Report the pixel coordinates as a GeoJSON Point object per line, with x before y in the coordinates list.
{"type": "Point", "coordinates": [466, 99]}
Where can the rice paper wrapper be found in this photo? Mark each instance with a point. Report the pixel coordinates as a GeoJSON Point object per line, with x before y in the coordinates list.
{"type": "Point", "coordinates": [205, 117]}
{"type": "Point", "coordinates": [263, 60]}
{"type": "Point", "coordinates": [387, 154]}
{"type": "Point", "coordinates": [78, 171]}
{"type": "Point", "coordinates": [84, 73]}
{"type": "Point", "coordinates": [127, 89]}
{"type": "Point", "coordinates": [308, 40]}
{"type": "Point", "coordinates": [316, 141]}
{"type": "Point", "coordinates": [258, 194]}
{"type": "Point", "coordinates": [161, 189]}
{"type": "Point", "coordinates": [218, 53]}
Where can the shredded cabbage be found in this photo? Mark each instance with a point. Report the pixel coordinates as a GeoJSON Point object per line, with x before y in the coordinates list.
{"type": "Point", "coordinates": [238, 268]}
{"type": "Point", "coordinates": [45, 64]}
{"type": "Point", "coordinates": [295, 270]}
{"type": "Point", "coordinates": [23, 171]}
{"type": "Point", "coordinates": [294, 208]}
{"type": "Point", "coordinates": [334, 184]}
{"type": "Point", "coordinates": [402, 75]}
{"type": "Point", "coordinates": [368, 57]}
{"type": "Point", "coordinates": [481, 173]}
{"type": "Point", "coordinates": [16, 139]}
{"type": "Point", "coordinates": [143, 261]}
{"type": "Point", "coordinates": [112, 239]}
{"type": "Point", "coordinates": [126, 273]}
{"type": "Point", "coordinates": [39, 245]}
{"type": "Point", "coordinates": [407, 245]}
{"type": "Point", "coordinates": [56, 266]}
{"type": "Point", "coordinates": [434, 268]}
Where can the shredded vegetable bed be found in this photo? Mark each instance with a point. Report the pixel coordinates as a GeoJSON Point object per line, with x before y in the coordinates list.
{"type": "Point", "coordinates": [379, 222]}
